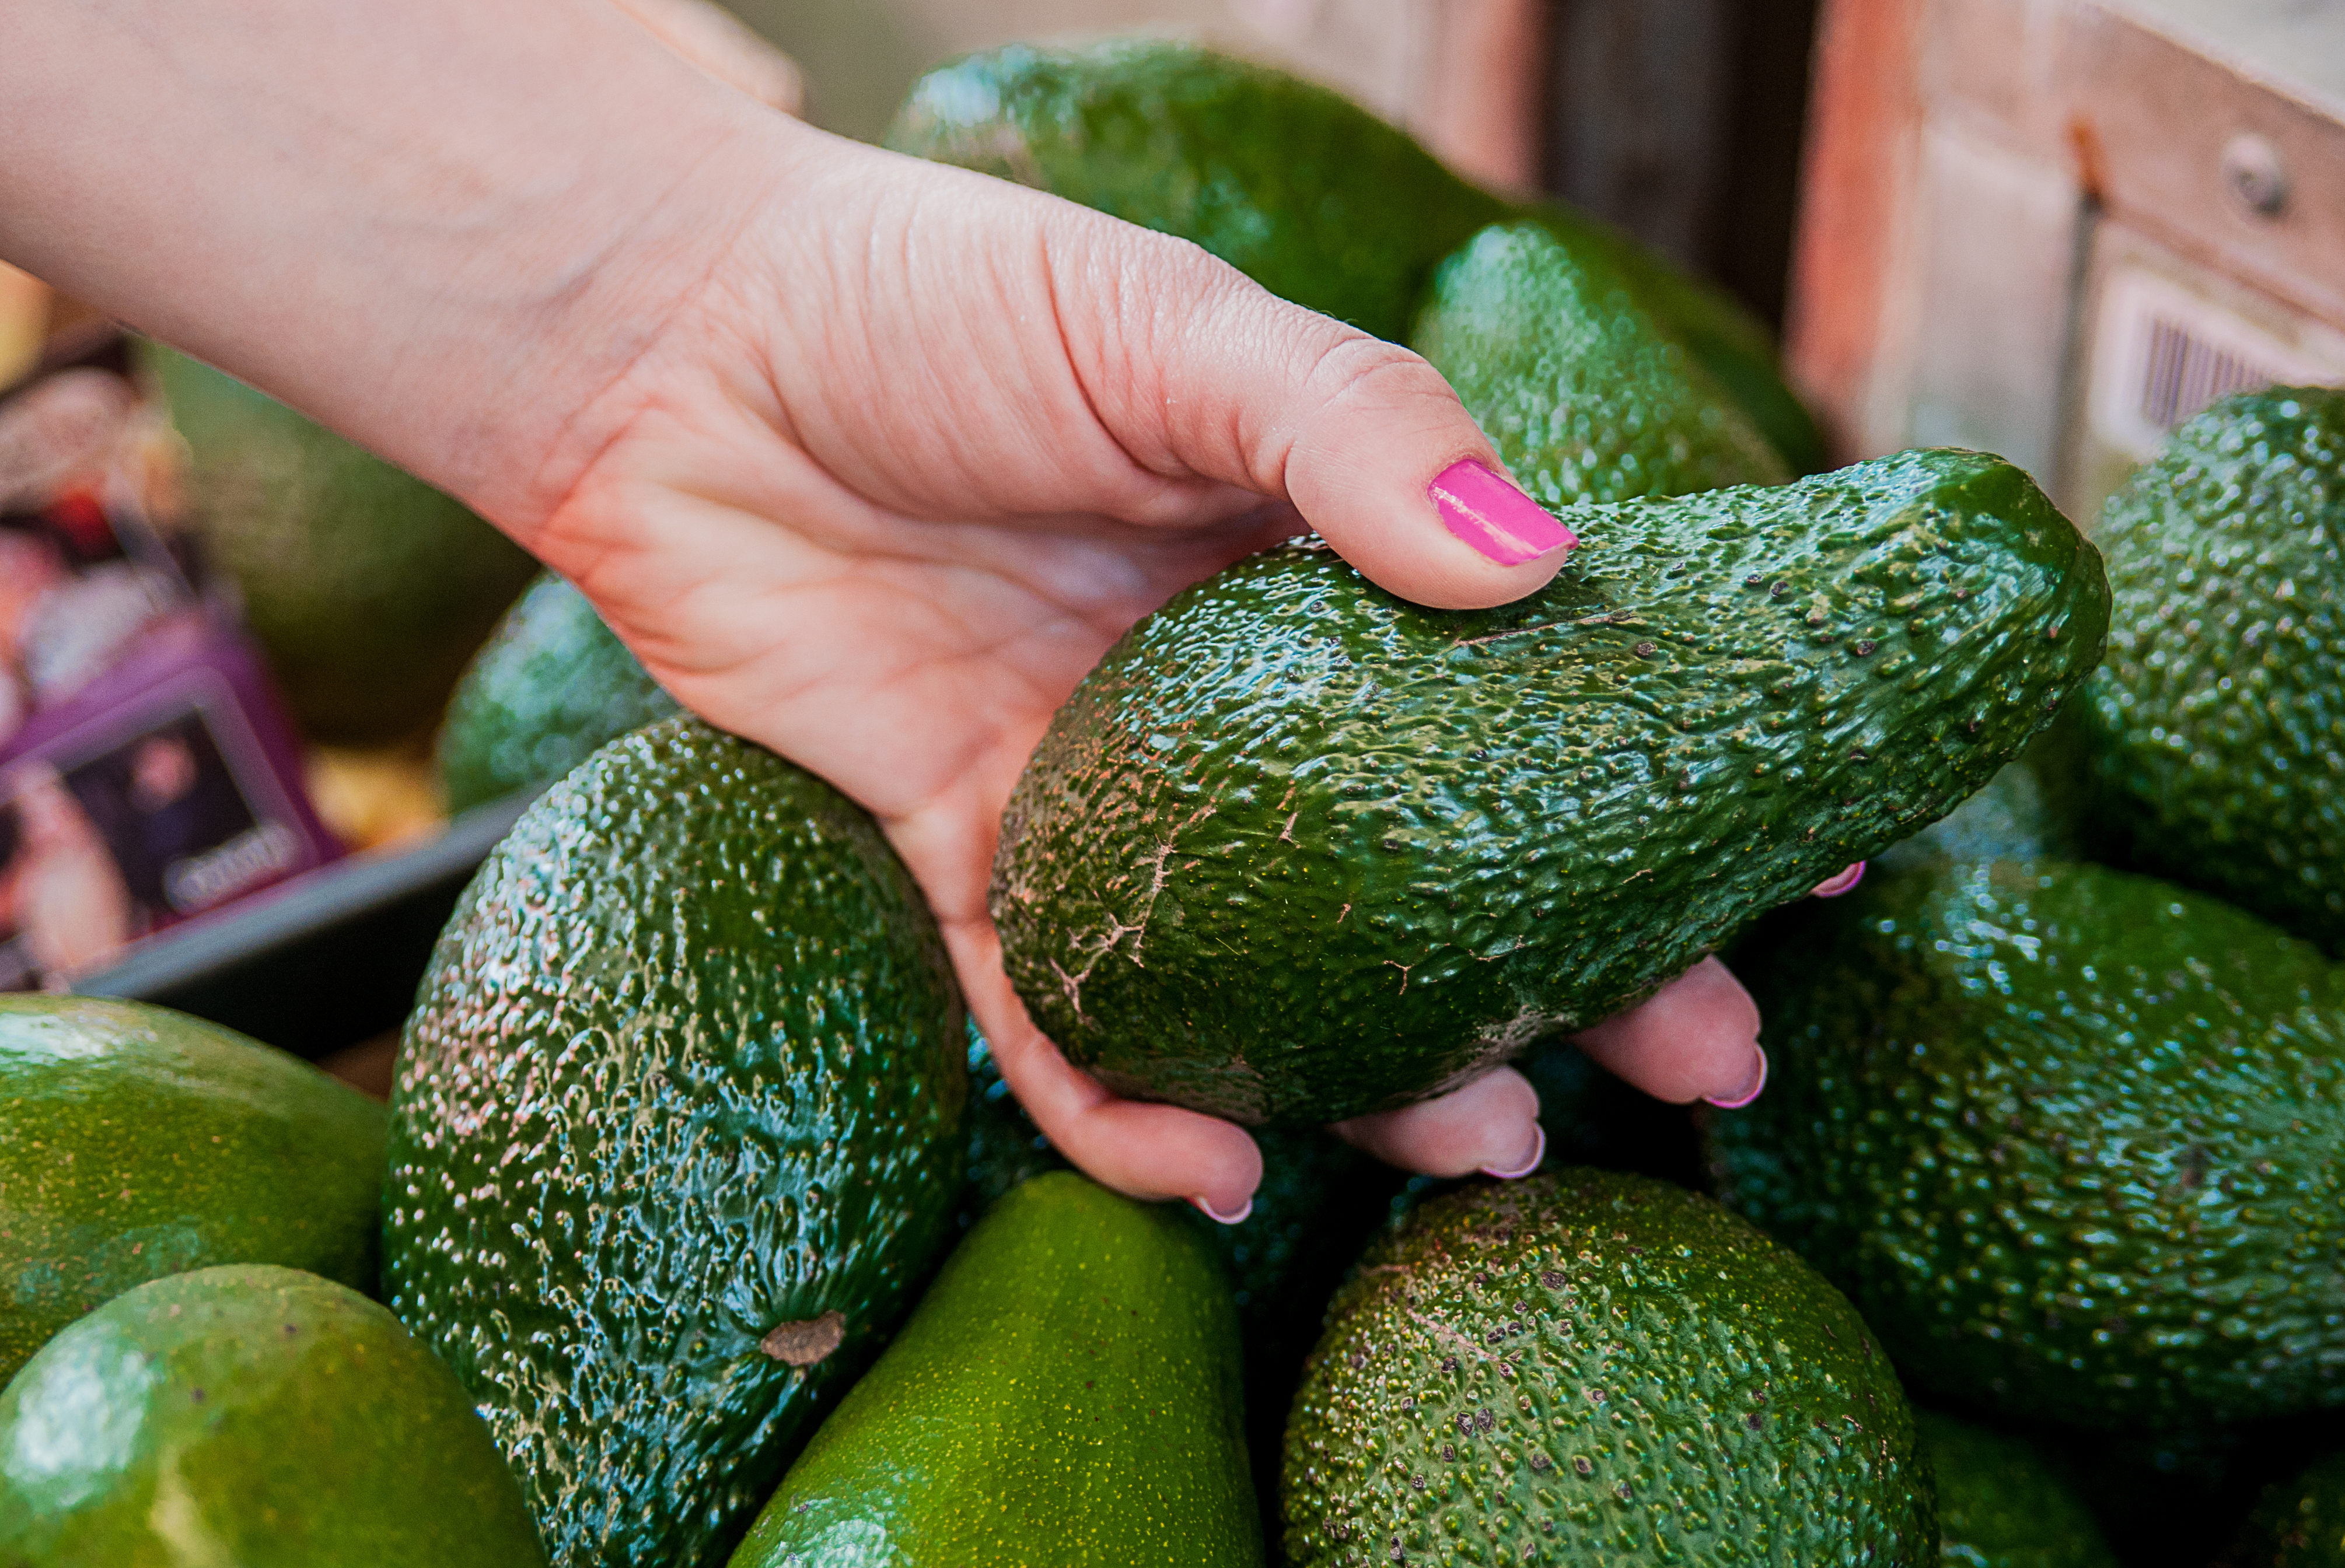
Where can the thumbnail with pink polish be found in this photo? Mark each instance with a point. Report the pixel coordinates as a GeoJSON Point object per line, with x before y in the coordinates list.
{"type": "Point", "coordinates": [1480, 506]}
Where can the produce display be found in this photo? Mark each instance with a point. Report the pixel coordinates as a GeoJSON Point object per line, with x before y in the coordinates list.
{"type": "Point", "coordinates": [137, 1143]}
{"type": "Point", "coordinates": [2218, 717]}
{"type": "Point", "coordinates": [367, 588]}
{"type": "Point", "coordinates": [1071, 1377]}
{"type": "Point", "coordinates": [548, 690]}
{"type": "Point", "coordinates": [1296, 849]}
{"type": "Point", "coordinates": [707, 1235]}
{"type": "Point", "coordinates": [676, 1136]}
{"type": "Point", "coordinates": [259, 1416]}
{"type": "Point", "coordinates": [1590, 1368]}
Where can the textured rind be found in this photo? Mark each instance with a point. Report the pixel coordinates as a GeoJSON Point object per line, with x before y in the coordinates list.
{"type": "Point", "coordinates": [2001, 1504]}
{"type": "Point", "coordinates": [250, 1415]}
{"type": "Point", "coordinates": [2219, 721]}
{"type": "Point", "coordinates": [1303, 190]}
{"type": "Point", "coordinates": [1297, 850]}
{"type": "Point", "coordinates": [1598, 1370]}
{"type": "Point", "coordinates": [2073, 1139]}
{"type": "Point", "coordinates": [136, 1142]}
{"type": "Point", "coordinates": [367, 588]}
{"type": "Point", "coordinates": [550, 687]}
{"type": "Point", "coordinates": [1584, 396]}
{"type": "Point", "coordinates": [687, 1065]}
{"type": "Point", "coordinates": [2297, 1523]}
{"type": "Point", "coordinates": [1067, 1393]}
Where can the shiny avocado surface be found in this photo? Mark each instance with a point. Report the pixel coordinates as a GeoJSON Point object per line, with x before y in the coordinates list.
{"type": "Point", "coordinates": [1589, 1368]}
{"type": "Point", "coordinates": [1297, 850]}
{"type": "Point", "coordinates": [2073, 1139]}
{"type": "Point", "coordinates": [136, 1142]}
{"type": "Point", "coordinates": [676, 1137]}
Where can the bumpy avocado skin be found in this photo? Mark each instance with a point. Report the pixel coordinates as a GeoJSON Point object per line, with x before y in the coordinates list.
{"type": "Point", "coordinates": [2001, 1504]}
{"type": "Point", "coordinates": [2218, 723]}
{"type": "Point", "coordinates": [1585, 397]}
{"type": "Point", "coordinates": [367, 588]}
{"type": "Point", "coordinates": [550, 687]}
{"type": "Point", "coordinates": [2297, 1523]}
{"type": "Point", "coordinates": [686, 1068]}
{"type": "Point", "coordinates": [1303, 190]}
{"type": "Point", "coordinates": [2073, 1139]}
{"type": "Point", "coordinates": [136, 1142]}
{"type": "Point", "coordinates": [250, 1415]}
{"type": "Point", "coordinates": [1299, 850]}
{"type": "Point", "coordinates": [1597, 1368]}
{"type": "Point", "coordinates": [1068, 1392]}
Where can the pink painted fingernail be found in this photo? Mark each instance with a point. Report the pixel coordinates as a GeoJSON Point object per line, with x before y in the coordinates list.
{"type": "Point", "coordinates": [1841, 881]}
{"type": "Point", "coordinates": [1750, 1088]}
{"type": "Point", "coordinates": [1217, 1216]}
{"type": "Point", "coordinates": [1480, 506]}
{"type": "Point", "coordinates": [1539, 1152]}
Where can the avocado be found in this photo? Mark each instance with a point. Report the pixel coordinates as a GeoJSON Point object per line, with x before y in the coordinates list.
{"type": "Point", "coordinates": [676, 1137]}
{"type": "Point", "coordinates": [367, 588]}
{"type": "Point", "coordinates": [2003, 1504]}
{"type": "Point", "coordinates": [2072, 1138]}
{"type": "Point", "coordinates": [1299, 850]}
{"type": "Point", "coordinates": [1585, 397]}
{"type": "Point", "coordinates": [2297, 1523]}
{"type": "Point", "coordinates": [550, 687]}
{"type": "Point", "coordinates": [1585, 1367]}
{"type": "Point", "coordinates": [1303, 190]}
{"type": "Point", "coordinates": [136, 1142]}
{"type": "Point", "coordinates": [2214, 727]}
{"type": "Point", "coordinates": [1067, 1392]}
{"type": "Point", "coordinates": [254, 1416]}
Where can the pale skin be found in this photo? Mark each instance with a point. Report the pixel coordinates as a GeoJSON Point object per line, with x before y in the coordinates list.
{"type": "Point", "coordinates": [868, 459]}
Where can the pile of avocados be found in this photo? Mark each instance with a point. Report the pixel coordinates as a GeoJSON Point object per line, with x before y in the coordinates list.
{"type": "Point", "coordinates": [701, 1230]}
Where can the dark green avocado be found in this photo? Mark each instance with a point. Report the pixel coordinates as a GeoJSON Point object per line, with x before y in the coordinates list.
{"type": "Point", "coordinates": [676, 1135]}
{"type": "Point", "coordinates": [2218, 725]}
{"type": "Point", "coordinates": [1067, 1394]}
{"type": "Point", "coordinates": [2073, 1139]}
{"type": "Point", "coordinates": [1598, 1370]}
{"type": "Point", "coordinates": [550, 687]}
{"type": "Point", "coordinates": [1303, 190]}
{"type": "Point", "coordinates": [1299, 850]}
{"type": "Point", "coordinates": [136, 1142]}
{"type": "Point", "coordinates": [2297, 1523]}
{"type": "Point", "coordinates": [250, 1416]}
{"type": "Point", "coordinates": [1585, 397]}
{"type": "Point", "coordinates": [2002, 1504]}
{"type": "Point", "coordinates": [367, 588]}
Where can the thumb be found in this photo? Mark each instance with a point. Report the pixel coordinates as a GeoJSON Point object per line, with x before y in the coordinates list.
{"type": "Point", "coordinates": [1362, 437]}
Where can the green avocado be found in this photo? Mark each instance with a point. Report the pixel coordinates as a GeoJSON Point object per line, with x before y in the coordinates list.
{"type": "Point", "coordinates": [136, 1142]}
{"type": "Point", "coordinates": [1299, 850]}
{"type": "Point", "coordinates": [676, 1135]}
{"type": "Point", "coordinates": [2218, 726]}
{"type": "Point", "coordinates": [1068, 1392]}
{"type": "Point", "coordinates": [1303, 190]}
{"type": "Point", "coordinates": [2001, 1504]}
{"type": "Point", "coordinates": [2072, 1138]}
{"type": "Point", "coordinates": [550, 687]}
{"type": "Point", "coordinates": [1584, 397]}
{"type": "Point", "coordinates": [253, 1416]}
{"type": "Point", "coordinates": [1596, 1369]}
{"type": "Point", "coordinates": [2297, 1523]}
{"type": "Point", "coordinates": [367, 588]}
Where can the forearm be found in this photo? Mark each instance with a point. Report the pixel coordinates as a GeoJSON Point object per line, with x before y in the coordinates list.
{"type": "Point", "coordinates": [442, 226]}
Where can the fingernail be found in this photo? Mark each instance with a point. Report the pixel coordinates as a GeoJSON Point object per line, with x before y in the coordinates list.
{"type": "Point", "coordinates": [1539, 1152]}
{"type": "Point", "coordinates": [1841, 881]}
{"type": "Point", "coordinates": [1217, 1216]}
{"type": "Point", "coordinates": [1481, 508]}
{"type": "Point", "coordinates": [1750, 1088]}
